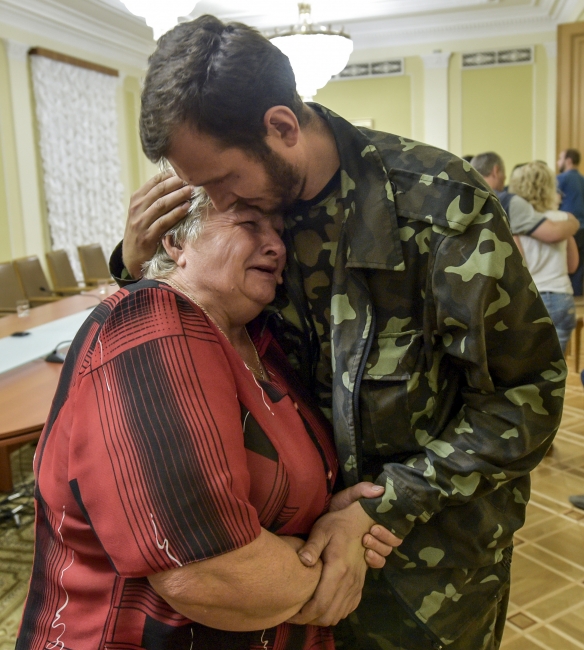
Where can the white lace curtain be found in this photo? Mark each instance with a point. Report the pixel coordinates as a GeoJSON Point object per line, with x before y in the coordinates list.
{"type": "Point", "coordinates": [78, 132]}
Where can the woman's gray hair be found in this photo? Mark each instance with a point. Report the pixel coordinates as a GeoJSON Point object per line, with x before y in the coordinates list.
{"type": "Point", "coordinates": [186, 231]}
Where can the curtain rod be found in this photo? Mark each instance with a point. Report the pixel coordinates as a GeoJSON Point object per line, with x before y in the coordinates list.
{"type": "Point", "coordinates": [71, 60]}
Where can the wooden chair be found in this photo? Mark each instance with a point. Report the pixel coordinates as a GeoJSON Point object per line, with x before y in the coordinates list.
{"type": "Point", "coordinates": [10, 288]}
{"type": "Point", "coordinates": [34, 281]}
{"type": "Point", "coordinates": [64, 280]}
{"type": "Point", "coordinates": [93, 264]}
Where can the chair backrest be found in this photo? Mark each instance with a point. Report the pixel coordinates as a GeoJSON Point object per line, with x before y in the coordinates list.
{"type": "Point", "coordinates": [60, 269]}
{"type": "Point", "coordinates": [10, 287]}
{"type": "Point", "coordinates": [32, 277]}
{"type": "Point", "coordinates": [93, 263]}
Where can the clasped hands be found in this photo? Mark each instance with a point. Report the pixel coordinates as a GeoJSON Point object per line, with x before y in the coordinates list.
{"type": "Point", "coordinates": [338, 539]}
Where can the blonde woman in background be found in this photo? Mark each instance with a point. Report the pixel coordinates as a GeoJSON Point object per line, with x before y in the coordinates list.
{"type": "Point", "coordinates": [549, 264]}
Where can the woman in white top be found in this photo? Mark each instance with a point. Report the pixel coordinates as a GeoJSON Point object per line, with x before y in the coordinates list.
{"type": "Point", "coordinates": [549, 264]}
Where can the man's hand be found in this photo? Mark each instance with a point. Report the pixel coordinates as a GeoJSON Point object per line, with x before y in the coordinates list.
{"type": "Point", "coordinates": [155, 208]}
{"type": "Point", "coordinates": [379, 542]}
{"type": "Point", "coordinates": [551, 232]}
{"type": "Point", "coordinates": [337, 538]}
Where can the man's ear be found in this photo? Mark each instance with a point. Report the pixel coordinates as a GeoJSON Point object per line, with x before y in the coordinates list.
{"type": "Point", "coordinates": [281, 123]}
{"type": "Point", "coordinates": [174, 250]}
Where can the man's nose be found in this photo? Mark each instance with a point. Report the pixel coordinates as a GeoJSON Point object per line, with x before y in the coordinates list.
{"type": "Point", "coordinates": [221, 200]}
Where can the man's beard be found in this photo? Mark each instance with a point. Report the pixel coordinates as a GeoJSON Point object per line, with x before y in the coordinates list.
{"type": "Point", "coordinates": [286, 184]}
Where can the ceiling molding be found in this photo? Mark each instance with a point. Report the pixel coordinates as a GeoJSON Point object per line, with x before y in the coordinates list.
{"type": "Point", "coordinates": [459, 27]}
{"type": "Point", "coordinates": [568, 11]}
{"type": "Point", "coordinates": [88, 25]}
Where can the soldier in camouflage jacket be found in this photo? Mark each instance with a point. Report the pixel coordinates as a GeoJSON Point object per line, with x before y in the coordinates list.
{"type": "Point", "coordinates": [447, 375]}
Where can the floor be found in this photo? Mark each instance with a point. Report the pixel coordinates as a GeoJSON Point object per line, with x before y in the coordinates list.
{"type": "Point", "coordinates": [547, 592]}
{"type": "Point", "coordinates": [16, 548]}
{"type": "Point", "coordinates": [547, 586]}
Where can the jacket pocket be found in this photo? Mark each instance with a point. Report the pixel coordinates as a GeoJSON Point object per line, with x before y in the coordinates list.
{"type": "Point", "coordinates": [384, 402]}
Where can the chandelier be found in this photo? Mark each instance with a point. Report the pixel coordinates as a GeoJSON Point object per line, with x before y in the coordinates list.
{"type": "Point", "coordinates": [161, 15]}
{"type": "Point", "coordinates": [316, 53]}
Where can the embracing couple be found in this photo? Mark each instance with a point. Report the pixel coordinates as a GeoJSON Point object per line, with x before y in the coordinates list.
{"type": "Point", "coordinates": [326, 355]}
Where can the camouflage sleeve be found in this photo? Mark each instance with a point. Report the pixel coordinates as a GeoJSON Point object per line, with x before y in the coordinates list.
{"type": "Point", "coordinates": [117, 269]}
{"type": "Point", "coordinates": [494, 336]}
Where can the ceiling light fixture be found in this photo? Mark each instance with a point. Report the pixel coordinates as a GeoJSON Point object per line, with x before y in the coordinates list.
{"type": "Point", "coordinates": [316, 53]}
{"type": "Point", "coordinates": [162, 16]}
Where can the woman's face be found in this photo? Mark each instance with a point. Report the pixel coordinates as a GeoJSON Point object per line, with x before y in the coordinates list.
{"type": "Point", "coordinates": [234, 265]}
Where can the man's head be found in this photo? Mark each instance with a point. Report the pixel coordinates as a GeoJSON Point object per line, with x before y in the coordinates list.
{"type": "Point", "coordinates": [568, 159]}
{"type": "Point", "coordinates": [213, 94]}
{"type": "Point", "coordinates": [490, 165]}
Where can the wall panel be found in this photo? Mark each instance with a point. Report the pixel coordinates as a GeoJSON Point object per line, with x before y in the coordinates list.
{"type": "Point", "coordinates": [497, 112]}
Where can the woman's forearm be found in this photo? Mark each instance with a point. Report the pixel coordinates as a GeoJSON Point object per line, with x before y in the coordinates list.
{"type": "Point", "coordinates": [254, 587]}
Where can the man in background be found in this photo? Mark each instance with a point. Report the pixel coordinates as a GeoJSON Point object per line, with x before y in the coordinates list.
{"type": "Point", "coordinates": [523, 219]}
{"type": "Point", "coordinates": [571, 186]}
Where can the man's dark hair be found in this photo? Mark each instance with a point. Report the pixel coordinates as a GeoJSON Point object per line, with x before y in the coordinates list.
{"type": "Point", "coordinates": [218, 78]}
{"type": "Point", "coordinates": [485, 162]}
{"type": "Point", "coordinates": [573, 155]}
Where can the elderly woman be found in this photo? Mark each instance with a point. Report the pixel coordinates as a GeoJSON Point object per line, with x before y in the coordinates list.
{"type": "Point", "coordinates": [549, 264]}
{"type": "Point", "coordinates": [180, 460]}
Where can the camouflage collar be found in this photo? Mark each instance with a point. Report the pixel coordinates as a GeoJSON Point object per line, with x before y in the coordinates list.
{"type": "Point", "coordinates": [370, 217]}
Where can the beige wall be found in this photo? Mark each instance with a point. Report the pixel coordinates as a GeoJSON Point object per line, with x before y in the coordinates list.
{"type": "Point", "coordinates": [497, 112]}
{"type": "Point", "coordinates": [387, 101]}
{"type": "Point", "coordinates": [7, 204]}
{"type": "Point", "coordinates": [23, 229]}
{"type": "Point", "coordinates": [508, 109]}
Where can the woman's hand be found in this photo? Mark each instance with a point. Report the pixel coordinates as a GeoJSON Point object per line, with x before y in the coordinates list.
{"type": "Point", "coordinates": [379, 542]}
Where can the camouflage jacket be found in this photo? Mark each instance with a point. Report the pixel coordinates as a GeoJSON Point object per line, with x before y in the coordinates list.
{"type": "Point", "coordinates": [444, 355]}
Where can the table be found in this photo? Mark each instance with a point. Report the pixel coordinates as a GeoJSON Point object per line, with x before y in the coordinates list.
{"type": "Point", "coordinates": [26, 392]}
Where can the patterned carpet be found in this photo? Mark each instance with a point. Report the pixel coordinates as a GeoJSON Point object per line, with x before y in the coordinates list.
{"type": "Point", "coordinates": [16, 549]}
{"type": "Point", "coordinates": [546, 611]}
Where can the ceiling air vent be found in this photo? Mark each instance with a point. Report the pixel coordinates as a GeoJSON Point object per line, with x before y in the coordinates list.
{"type": "Point", "coordinates": [491, 58]}
{"type": "Point", "coordinates": [377, 69]}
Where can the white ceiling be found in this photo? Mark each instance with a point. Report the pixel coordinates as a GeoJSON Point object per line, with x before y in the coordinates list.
{"type": "Point", "coordinates": [379, 23]}
{"type": "Point", "coordinates": [106, 27]}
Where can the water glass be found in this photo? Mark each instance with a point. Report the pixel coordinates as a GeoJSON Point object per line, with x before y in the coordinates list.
{"type": "Point", "coordinates": [102, 287]}
{"type": "Point", "coordinates": [22, 308]}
